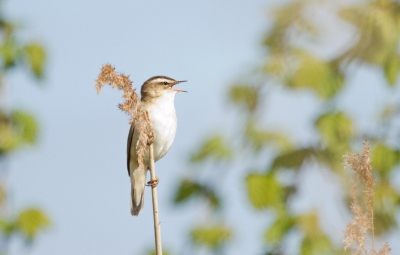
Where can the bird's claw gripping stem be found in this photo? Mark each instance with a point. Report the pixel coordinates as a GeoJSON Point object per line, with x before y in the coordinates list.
{"type": "Point", "coordinates": [153, 183]}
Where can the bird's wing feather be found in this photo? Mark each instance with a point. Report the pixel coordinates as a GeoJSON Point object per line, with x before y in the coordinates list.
{"type": "Point", "coordinates": [128, 150]}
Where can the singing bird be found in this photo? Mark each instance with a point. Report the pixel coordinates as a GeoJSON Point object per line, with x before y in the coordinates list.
{"type": "Point", "coordinates": [157, 96]}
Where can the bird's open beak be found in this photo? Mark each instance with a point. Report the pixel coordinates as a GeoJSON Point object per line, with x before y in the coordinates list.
{"type": "Point", "coordinates": [178, 90]}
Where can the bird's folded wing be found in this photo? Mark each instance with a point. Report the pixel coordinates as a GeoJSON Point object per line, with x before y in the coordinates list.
{"type": "Point", "coordinates": [128, 149]}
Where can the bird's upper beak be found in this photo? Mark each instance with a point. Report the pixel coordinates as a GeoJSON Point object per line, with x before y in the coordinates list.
{"type": "Point", "coordinates": [178, 90]}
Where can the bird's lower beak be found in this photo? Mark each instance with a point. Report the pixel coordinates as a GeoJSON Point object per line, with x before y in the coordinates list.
{"type": "Point", "coordinates": [178, 90]}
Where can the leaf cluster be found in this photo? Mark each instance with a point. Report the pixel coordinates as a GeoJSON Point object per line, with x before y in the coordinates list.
{"type": "Point", "coordinates": [213, 234]}
{"type": "Point", "coordinates": [18, 128]}
{"type": "Point", "coordinates": [289, 64]}
{"type": "Point", "coordinates": [27, 224]}
{"type": "Point", "coordinates": [13, 53]}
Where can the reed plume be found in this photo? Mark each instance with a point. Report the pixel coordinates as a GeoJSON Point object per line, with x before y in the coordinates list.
{"type": "Point", "coordinates": [362, 187]}
{"type": "Point", "coordinates": [131, 106]}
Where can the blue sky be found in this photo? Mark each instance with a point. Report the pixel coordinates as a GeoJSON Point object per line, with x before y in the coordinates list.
{"type": "Point", "coordinates": [77, 172]}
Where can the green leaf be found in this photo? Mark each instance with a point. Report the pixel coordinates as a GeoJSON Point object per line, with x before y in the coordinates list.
{"type": "Point", "coordinates": [16, 129]}
{"type": "Point", "coordinates": [264, 190]}
{"type": "Point", "coordinates": [31, 221]}
{"type": "Point", "coordinates": [386, 199]}
{"type": "Point", "coordinates": [333, 157]}
{"type": "Point", "coordinates": [384, 222]}
{"type": "Point", "coordinates": [335, 128]}
{"type": "Point", "coordinates": [9, 53]}
{"type": "Point", "coordinates": [214, 148]}
{"type": "Point", "coordinates": [316, 246]}
{"type": "Point", "coordinates": [315, 242]}
{"type": "Point", "coordinates": [378, 32]}
{"type": "Point", "coordinates": [309, 224]}
{"type": "Point", "coordinates": [285, 17]}
{"type": "Point", "coordinates": [245, 96]}
{"type": "Point", "coordinates": [321, 76]}
{"type": "Point", "coordinates": [188, 189]}
{"type": "Point", "coordinates": [7, 227]}
{"type": "Point", "coordinates": [211, 237]}
{"type": "Point", "coordinates": [259, 138]}
{"type": "Point", "coordinates": [2, 195]}
{"type": "Point", "coordinates": [277, 231]}
{"type": "Point", "coordinates": [391, 69]}
{"type": "Point", "coordinates": [35, 56]}
{"type": "Point", "coordinates": [384, 158]}
{"type": "Point", "coordinates": [7, 140]}
{"type": "Point", "coordinates": [25, 126]}
{"type": "Point", "coordinates": [293, 159]}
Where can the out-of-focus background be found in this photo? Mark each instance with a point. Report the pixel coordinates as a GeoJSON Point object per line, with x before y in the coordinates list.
{"type": "Point", "coordinates": [278, 92]}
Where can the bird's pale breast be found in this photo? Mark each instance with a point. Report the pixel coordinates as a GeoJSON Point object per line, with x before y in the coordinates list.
{"type": "Point", "coordinates": [163, 117]}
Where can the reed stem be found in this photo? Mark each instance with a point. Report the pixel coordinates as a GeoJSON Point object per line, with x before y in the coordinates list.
{"type": "Point", "coordinates": [157, 229]}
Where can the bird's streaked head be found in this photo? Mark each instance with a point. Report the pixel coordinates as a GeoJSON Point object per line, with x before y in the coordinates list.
{"type": "Point", "coordinates": [158, 86]}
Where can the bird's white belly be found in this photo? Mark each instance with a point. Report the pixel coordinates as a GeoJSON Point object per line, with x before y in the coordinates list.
{"type": "Point", "coordinates": [164, 123]}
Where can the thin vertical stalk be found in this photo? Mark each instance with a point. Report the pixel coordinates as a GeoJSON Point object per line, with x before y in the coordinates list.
{"type": "Point", "coordinates": [157, 229]}
{"type": "Point", "coordinates": [372, 226]}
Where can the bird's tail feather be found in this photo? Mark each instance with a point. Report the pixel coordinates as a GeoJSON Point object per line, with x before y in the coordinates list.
{"type": "Point", "coordinates": [138, 180]}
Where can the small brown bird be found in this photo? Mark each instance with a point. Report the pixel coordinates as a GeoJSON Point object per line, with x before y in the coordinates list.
{"type": "Point", "coordinates": [157, 96]}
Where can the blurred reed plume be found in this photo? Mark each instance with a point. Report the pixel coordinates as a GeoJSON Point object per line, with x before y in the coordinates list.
{"type": "Point", "coordinates": [362, 187]}
{"type": "Point", "coordinates": [132, 106]}
{"type": "Point", "coordinates": [122, 82]}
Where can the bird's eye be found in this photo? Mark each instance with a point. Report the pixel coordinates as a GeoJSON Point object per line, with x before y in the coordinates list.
{"type": "Point", "coordinates": [165, 83]}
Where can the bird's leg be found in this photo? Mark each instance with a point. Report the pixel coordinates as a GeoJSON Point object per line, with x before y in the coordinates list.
{"type": "Point", "coordinates": [153, 183]}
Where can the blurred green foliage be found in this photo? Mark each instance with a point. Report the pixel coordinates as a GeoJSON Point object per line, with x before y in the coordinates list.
{"type": "Point", "coordinates": [384, 159]}
{"type": "Point", "coordinates": [326, 84]}
{"type": "Point", "coordinates": [13, 53]}
{"type": "Point", "coordinates": [152, 252]}
{"type": "Point", "coordinates": [335, 128]}
{"type": "Point", "coordinates": [212, 237]}
{"type": "Point", "coordinates": [30, 221]}
{"type": "Point", "coordinates": [17, 128]}
{"type": "Point", "coordinates": [279, 228]}
{"type": "Point", "coordinates": [27, 224]}
{"type": "Point", "coordinates": [189, 189]}
{"type": "Point", "coordinates": [292, 159]}
{"type": "Point", "coordinates": [291, 61]}
{"type": "Point", "coordinates": [258, 138]}
{"type": "Point", "coordinates": [315, 241]}
{"type": "Point", "coordinates": [214, 148]}
{"type": "Point", "coordinates": [35, 58]}
{"type": "Point", "coordinates": [245, 96]}
{"type": "Point", "coordinates": [267, 185]}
